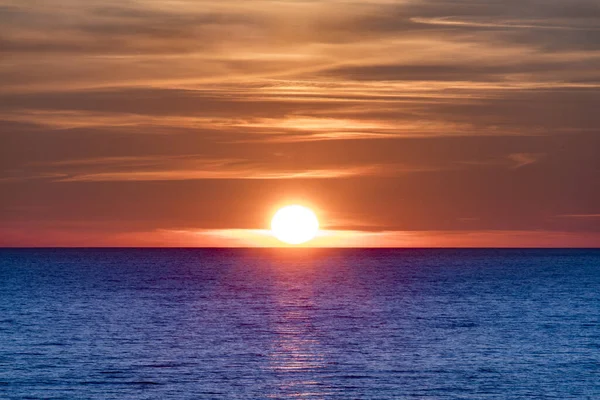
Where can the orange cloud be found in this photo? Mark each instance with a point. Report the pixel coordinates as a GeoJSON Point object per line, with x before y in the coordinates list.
{"type": "Point", "coordinates": [326, 238]}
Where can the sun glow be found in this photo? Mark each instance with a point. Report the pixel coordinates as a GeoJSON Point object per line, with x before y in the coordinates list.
{"type": "Point", "coordinates": [294, 224]}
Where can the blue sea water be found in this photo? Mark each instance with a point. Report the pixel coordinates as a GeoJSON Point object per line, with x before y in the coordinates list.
{"type": "Point", "coordinates": [283, 324]}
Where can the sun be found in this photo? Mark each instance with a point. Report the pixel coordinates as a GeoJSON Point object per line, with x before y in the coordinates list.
{"type": "Point", "coordinates": [294, 224]}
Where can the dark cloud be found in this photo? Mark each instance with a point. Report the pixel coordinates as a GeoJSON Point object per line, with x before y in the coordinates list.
{"type": "Point", "coordinates": [216, 102]}
{"type": "Point", "coordinates": [551, 25]}
{"type": "Point", "coordinates": [460, 72]}
{"type": "Point", "coordinates": [119, 30]}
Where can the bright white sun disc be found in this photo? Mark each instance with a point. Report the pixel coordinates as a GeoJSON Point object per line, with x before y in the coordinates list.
{"type": "Point", "coordinates": [295, 224]}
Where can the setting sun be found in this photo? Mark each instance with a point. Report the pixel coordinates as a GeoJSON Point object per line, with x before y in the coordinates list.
{"type": "Point", "coordinates": [294, 224]}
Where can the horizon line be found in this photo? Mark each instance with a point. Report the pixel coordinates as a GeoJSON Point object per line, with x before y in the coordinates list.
{"type": "Point", "coordinates": [284, 248]}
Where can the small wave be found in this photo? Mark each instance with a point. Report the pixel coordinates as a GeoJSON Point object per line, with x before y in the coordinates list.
{"type": "Point", "coordinates": [121, 383]}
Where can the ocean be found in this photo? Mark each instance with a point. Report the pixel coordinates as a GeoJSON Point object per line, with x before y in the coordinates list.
{"type": "Point", "coordinates": [299, 323]}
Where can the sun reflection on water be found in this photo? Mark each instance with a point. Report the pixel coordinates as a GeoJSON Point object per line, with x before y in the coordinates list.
{"type": "Point", "coordinates": [296, 357]}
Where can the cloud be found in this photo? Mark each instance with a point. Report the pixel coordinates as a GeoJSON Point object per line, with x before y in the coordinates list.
{"type": "Point", "coordinates": [585, 216]}
{"type": "Point", "coordinates": [263, 238]}
{"type": "Point", "coordinates": [120, 29]}
{"type": "Point", "coordinates": [136, 43]}
{"type": "Point", "coordinates": [523, 159]}
{"type": "Point", "coordinates": [481, 23]}
{"type": "Point", "coordinates": [250, 173]}
{"type": "Point", "coordinates": [193, 167]}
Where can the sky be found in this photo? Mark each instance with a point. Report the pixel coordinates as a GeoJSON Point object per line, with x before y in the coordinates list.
{"type": "Point", "coordinates": [444, 123]}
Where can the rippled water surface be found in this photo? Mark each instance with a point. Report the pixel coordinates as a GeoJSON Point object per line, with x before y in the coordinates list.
{"type": "Point", "coordinates": [365, 324]}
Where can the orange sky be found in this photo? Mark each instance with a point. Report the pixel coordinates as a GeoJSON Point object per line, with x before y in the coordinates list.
{"type": "Point", "coordinates": [402, 123]}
